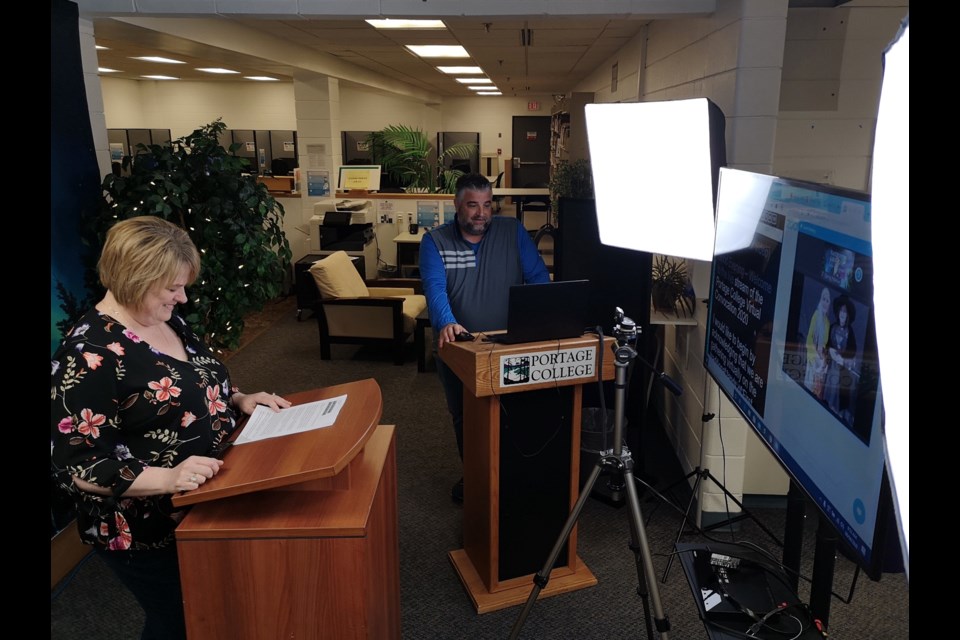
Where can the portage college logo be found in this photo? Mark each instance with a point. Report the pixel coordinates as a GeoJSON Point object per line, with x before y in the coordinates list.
{"type": "Point", "coordinates": [516, 370]}
{"type": "Point", "coordinates": [547, 366]}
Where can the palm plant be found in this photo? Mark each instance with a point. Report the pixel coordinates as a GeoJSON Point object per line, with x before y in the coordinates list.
{"type": "Point", "coordinates": [406, 154]}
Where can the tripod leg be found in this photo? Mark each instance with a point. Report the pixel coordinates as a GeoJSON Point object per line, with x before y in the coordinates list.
{"type": "Point", "coordinates": [647, 575]}
{"type": "Point", "coordinates": [543, 576]}
{"type": "Point", "coordinates": [642, 589]}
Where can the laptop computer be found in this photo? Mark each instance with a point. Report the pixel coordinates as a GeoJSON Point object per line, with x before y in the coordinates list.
{"type": "Point", "coordinates": [545, 311]}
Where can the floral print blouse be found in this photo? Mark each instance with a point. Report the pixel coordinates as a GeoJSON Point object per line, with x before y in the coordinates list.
{"type": "Point", "coordinates": [118, 406]}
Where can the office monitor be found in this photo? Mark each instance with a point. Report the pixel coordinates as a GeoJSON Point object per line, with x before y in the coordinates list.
{"type": "Point", "coordinates": [359, 177]}
{"type": "Point", "coordinates": [791, 341]}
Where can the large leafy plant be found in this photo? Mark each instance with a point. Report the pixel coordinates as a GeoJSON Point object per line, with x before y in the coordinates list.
{"type": "Point", "coordinates": [407, 155]}
{"type": "Point", "coordinates": [570, 180]}
{"type": "Point", "coordinates": [235, 223]}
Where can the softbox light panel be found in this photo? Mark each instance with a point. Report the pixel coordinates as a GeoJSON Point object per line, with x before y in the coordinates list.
{"type": "Point", "coordinates": [655, 170]}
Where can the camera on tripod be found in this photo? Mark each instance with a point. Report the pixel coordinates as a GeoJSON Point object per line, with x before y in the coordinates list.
{"type": "Point", "coordinates": [624, 329]}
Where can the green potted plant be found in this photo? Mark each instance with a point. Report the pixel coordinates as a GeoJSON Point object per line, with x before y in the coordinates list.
{"type": "Point", "coordinates": [570, 180]}
{"type": "Point", "coordinates": [407, 155]}
{"type": "Point", "coordinates": [233, 220]}
{"type": "Point", "coordinates": [670, 287]}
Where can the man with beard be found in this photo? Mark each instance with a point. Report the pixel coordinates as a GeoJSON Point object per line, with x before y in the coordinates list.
{"type": "Point", "coordinates": [467, 267]}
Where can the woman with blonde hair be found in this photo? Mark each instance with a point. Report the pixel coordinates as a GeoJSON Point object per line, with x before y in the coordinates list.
{"type": "Point", "coordinates": [139, 406]}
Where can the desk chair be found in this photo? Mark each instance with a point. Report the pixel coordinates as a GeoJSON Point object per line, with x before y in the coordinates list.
{"type": "Point", "coordinates": [349, 312]}
{"type": "Point", "coordinates": [498, 200]}
{"type": "Point", "coordinates": [534, 203]}
{"type": "Point", "coordinates": [547, 234]}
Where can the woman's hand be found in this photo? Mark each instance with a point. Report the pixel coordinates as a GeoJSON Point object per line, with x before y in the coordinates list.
{"type": "Point", "coordinates": [247, 402]}
{"type": "Point", "coordinates": [152, 481]}
{"type": "Point", "coordinates": [191, 473]}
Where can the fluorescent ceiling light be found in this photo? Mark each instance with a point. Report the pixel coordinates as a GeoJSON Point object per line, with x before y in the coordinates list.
{"type": "Point", "coordinates": [106, 70]}
{"type": "Point", "coordinates": [160, 77]}
{"type": "Point", "coordinates": [260, 78]}
{"type": "Point", "coordinates": [484, 87]}
{"type": "Point", "coordinates": [216, 70]}
{"type": "Point", "coordinates": [407, 24]}
{"type": "Point", "coordinates": [438, 50]}
{"type": "Point", "coordinates": [489, 93]}
{"type": "Point", "coordinates": [158, 59]}
{"type": "Point", "coordinates": [474, 80]}
{"type": "Point", "coordinates": [460, 69]}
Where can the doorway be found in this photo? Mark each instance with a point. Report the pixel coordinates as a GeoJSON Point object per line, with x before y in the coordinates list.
{"type": "Point", "coordinates": [531, 151]}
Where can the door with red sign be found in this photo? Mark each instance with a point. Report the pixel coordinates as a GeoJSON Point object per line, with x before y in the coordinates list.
{"type": "Point", "coordinates": [531, 151]}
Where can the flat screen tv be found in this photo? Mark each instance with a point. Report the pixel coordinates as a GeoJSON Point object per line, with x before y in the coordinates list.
{"type": "Point", "coordinates": [791, 341]}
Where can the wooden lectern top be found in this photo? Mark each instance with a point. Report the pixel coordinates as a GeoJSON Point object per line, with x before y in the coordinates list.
{"type": "Point", "coordinates": [300, 457]}
{"type": "Point", "coordinates": [490, 369]}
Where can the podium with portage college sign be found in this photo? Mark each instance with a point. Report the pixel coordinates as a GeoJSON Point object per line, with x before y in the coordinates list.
{"type": "Point", "coordinates": [521, 462]}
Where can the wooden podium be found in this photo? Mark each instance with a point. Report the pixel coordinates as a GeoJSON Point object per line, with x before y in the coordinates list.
{"type": "Point", "coordinates": [297, 536]}
{"type": "Point", "coordinates": [521, 462]}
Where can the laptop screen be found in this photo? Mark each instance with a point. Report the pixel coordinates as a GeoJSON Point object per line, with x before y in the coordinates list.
{"type": "Point", "coordinates": [546, 311]}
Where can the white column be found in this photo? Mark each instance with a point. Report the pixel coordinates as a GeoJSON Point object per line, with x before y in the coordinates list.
{"type": "Point", "coordinates": [317, 108]}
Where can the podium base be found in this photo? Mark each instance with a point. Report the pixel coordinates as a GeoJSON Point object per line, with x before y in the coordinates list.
{"type": "Point", "coordinates": [562, 580]}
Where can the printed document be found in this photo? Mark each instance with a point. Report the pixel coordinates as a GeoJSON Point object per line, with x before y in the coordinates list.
{"type": "Point", "coordinates": [264, 423]}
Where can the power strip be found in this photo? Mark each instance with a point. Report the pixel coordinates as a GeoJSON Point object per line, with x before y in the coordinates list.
{"type": "Point", "coordinates": [725, 562]}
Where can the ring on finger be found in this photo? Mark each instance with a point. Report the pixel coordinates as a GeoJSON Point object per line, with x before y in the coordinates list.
{"type": "Point", "coordinates": [193, 477]}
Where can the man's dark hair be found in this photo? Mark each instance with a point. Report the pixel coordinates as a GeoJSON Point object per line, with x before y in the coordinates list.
{"type": "Point", "coordinates": [472, 181]}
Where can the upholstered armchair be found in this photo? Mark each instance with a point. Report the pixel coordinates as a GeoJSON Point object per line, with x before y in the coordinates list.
{"type": "Point", "coordinates": [350, 312]}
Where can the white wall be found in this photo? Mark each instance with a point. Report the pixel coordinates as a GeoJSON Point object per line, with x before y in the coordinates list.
{"type": "Point", "coordinates": [492, 117]}
{"type": "Point", "coordinates": [628, 60]}
{"type": "Point", "coordinates": [365, 109]}
{"type": "Point", "coordinates": [184, 106]}
{"type": "Point", "coordinates": [831, 91]}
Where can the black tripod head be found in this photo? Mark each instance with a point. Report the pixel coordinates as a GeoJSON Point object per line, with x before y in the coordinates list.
{"type": "Point", "coordinates": [626, 331]}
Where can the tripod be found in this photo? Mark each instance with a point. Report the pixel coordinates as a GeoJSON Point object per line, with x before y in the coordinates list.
{"type": "Point", "coordinates": [619, 460]}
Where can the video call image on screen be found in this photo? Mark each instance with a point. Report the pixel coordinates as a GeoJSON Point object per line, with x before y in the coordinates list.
{"type": "Point", "coordinates": [791, 339]}
{"type": "Point", "coordinates": [831, 356]}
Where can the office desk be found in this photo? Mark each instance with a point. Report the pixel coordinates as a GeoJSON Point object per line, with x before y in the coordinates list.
{"type": "Point", "coordinates": [522, 194]}
{"type": "Point", "coordinates": [408, 253]}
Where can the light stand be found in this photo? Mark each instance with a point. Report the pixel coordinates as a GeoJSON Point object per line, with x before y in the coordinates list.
{"type": "Point", "coordinates": [619, 459]}
{"type": "Point", "coordinates": [701, 475]}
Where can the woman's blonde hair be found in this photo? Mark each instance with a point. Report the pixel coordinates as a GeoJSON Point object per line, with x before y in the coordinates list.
{"type": "Point", "coordinates": [142, 254]}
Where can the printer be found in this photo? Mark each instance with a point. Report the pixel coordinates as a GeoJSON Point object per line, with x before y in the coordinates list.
{"type": "Point", "coordinates": [345, 225]}
{"type": "Point", "coordinates": [342, 225]}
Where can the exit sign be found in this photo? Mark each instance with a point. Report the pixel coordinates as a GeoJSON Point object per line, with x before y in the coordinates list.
{"type": "Point", "coordinates": [533, 105]}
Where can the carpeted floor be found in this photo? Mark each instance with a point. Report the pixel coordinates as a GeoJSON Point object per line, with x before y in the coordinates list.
{"type": "Point", "coordinates": [285, 357]}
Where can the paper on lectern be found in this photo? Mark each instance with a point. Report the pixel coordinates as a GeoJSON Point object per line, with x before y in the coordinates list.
{"type": "Point", "coordinates": [265, 423]}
